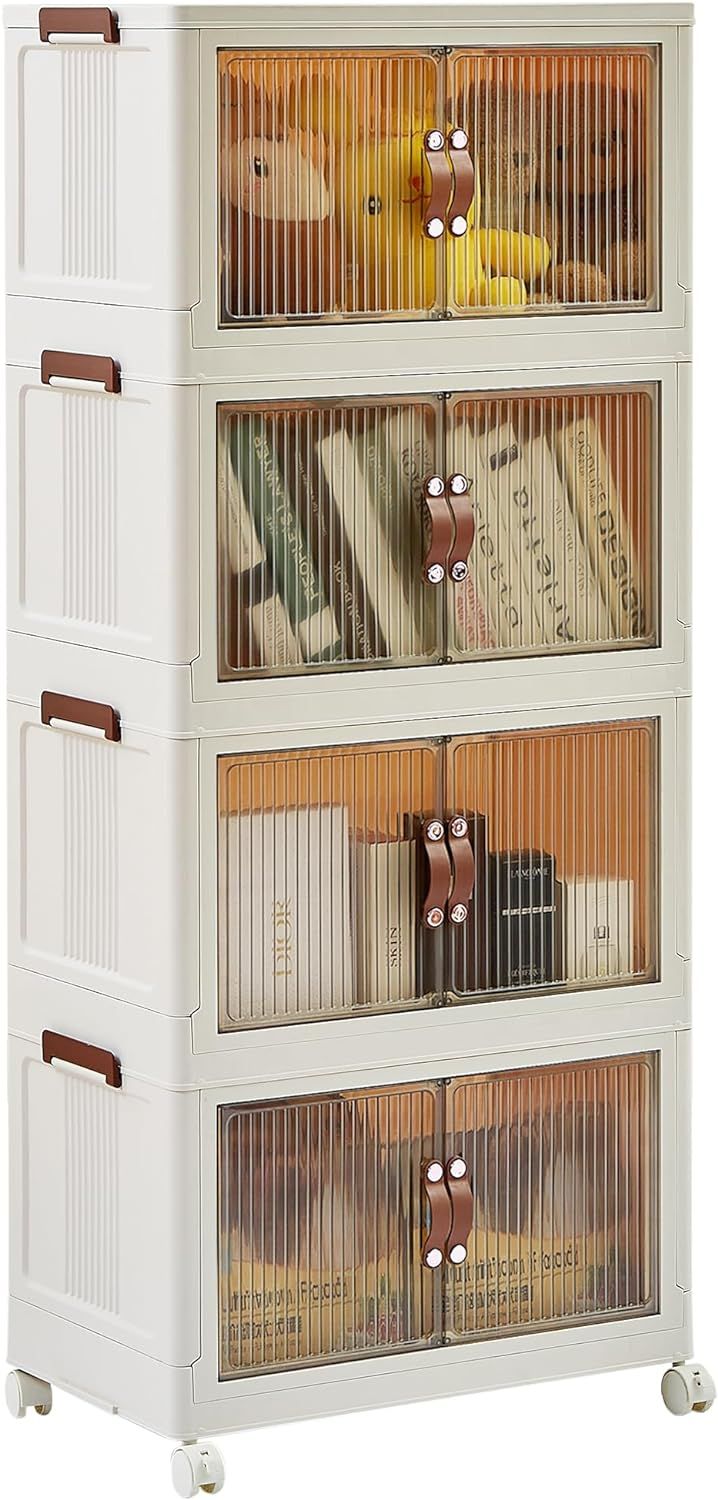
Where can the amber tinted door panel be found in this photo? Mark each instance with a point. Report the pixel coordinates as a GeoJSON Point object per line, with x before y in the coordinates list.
{"type": "Point", "coordinates": [562, 1166]}
{"type": "Point", "coordinates": [563, 824]}
{"type": "Point", "coordinates": [565, 148]}
{"type": "Point", "coordinates": [321, 883]}
{"type": "Point", "coordinates": [323, 185]}
{"type": "Point", "coordinates": [321, 536]}
{"type": "Point", "coordinates": [321, 1222]}
{"type": "Point", "coordinates": [563, 486]}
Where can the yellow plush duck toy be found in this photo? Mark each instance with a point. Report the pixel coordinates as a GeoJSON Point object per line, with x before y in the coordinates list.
{"type": "Point", "coordinates": [492, 267]}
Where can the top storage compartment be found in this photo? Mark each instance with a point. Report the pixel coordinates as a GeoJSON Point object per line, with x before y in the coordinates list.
{"type": "Point", "coordinates": [246, 167]}
{"type": "Point", "coordinates": [436, 183]}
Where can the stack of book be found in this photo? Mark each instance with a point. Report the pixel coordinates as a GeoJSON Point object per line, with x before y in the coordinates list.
{"type": "Point", "coordinates": [321, 535]}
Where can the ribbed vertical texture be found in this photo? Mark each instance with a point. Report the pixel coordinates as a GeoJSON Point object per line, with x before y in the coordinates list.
{"type": "Point", "coordinates": [91, 896]}
{"type": "Point", "coordinates": [89, 128]}
{"type": "Point", "coordinates": [89, 501]}
{"type": "Point", "coordinates": [321, 1219]}
{"type": "Point", "coordinates": [92, 1194]}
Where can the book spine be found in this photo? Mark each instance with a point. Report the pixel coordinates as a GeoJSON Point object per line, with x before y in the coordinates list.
{"type": "Point", "coordinates": [361, 524]}
{"type": "Point", "coordinates": [564, 584]}
{"type": "Point", "coordinates": [260, 629]}
{"type": "Point", "coordinates": [411, 458]}
{"type": "Point", "coordinates": [522, 919]}
{"type": "Point", "coordinates": [606, 531]}
{"type": "Point", "coordinates": [503, 564]}
{"type": "Point", "coordinates": [598, 929]}
{"type": "Point", "coordinates": [280, 533]}
{"type": "Point", "coordinates": [385, 886]}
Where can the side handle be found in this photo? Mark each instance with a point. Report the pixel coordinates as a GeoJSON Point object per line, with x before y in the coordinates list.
{"type": "Point", "coordinates": [464, 181]}
{"type": "Point", "coordinates": [439, 867]}
{"type": "Point", "coordinates": [81, 711]}
{"type": "Point", "coordinates": [98, 369]}
{"type": "Point", "coordinates": [462, 1210]}
{"type": "Point", "coordinates": [441, 184]}
{"type": "Point", "coordinates": [439, 1203]}
{"type": "Point", "coordinates": [58, 1048]}
{"type": "Point", "coordinates": [78, 22]}
{"type": "Point", "coordinates": [440, 530]}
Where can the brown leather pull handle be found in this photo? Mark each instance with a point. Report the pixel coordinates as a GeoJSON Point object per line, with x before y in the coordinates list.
{"type": "Point", "coordinates": [462, 1210]}
{"type": "Point", "coordinates": [434, 1183]}
{"type": "Point", "coordinates": [441, 184]}
{"type": "Point", "coordinates": [101, 369]}
{"type": "Point", "coordinates": [464, 181]}
{"type": "Point", "coordinates": [440, 532]}
{"type": "Point", "coordinates": [76, 22]}
{"type": "Point", "coordinates": [82, 1055]}
{"type": "Point", "coordinates": [81, 711]}
{"type": "Point", "coordinates": [439, 867]}
{"type": "Point", "coordinates": [463, 867]}
{"type": "Point", "coordinates": [462, 510]}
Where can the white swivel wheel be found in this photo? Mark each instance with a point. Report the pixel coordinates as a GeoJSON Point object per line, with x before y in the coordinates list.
{"type": "Point", "coordinates": [687, 1388]}
{"type": "Point", "coordinates": [23, 1391]}
{"type": "Point", "coordinates": [195, 1467]}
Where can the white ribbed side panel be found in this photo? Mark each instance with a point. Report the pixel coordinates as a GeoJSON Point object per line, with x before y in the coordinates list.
{"type": "Point", "coordinates": [89, 158]}
{"type": "Point", "coordinates": [92, 1195]}
{"type": "Point", "coordinates": [89, 501]}
{"type": "Point", "coordinates": [91, 909]}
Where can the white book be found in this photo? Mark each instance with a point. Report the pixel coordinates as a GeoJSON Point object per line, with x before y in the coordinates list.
{"type": "Point", "coordinates": [284, 893]}
{"type": "Point", "coordinates": [361, 519]}
{"type": "Point", "coordinates": [501, 559]}
{"type": "Point", "coordinates": [597, 920]}
{"type": "Point", "coordinates": [605, 527]}
{"type": "Point", "coordinates": [385, 905]}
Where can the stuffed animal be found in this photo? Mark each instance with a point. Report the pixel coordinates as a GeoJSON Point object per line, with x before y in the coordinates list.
{"type": "Point", "coordinates": [282, 226]}
{"type": "Point", "coordinates": [390, 263]}
{"type": "Point", "coordinates": [594, 206]}
{"type": "Point", "coordinates": [493, 267]}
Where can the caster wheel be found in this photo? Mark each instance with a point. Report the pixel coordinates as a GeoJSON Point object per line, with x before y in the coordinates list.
{"type": "Point", "coordinates": [195, 1467]}
{"type": "Point", "coordinates": [22, 1391]}
{"type": "Point", "coordinates": [687, 1388]}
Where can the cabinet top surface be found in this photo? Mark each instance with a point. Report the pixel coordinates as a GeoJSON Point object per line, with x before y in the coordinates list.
{"type": "Point", "coordinates": [451, 18]}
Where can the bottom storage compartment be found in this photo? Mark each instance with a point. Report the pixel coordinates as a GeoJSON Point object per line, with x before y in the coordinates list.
{"type": "Point", "coordinates": [361, 1222]}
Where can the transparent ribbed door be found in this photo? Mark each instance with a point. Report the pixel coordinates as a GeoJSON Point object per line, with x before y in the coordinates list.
{"type": "Point", "coordinates": [563, 828]}
{"type": "Point", "coordinates": [564, 503]}
{"type": "Point", "coordinates": [321, 883]}
{"type": "Point", "coordinates": [562, 1177]}
{"type": "Point", "coordinates": [322, 538]}
{"type": "Point", "coordinates": [564, 145]}
{"type": "Point", "coordinates": [320, 1227]}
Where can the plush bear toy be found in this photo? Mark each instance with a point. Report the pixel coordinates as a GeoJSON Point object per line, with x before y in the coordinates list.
{"type": "Point", "coordinates": [594, 206]}
{"type": "Point", "coordinates": [282, 230]}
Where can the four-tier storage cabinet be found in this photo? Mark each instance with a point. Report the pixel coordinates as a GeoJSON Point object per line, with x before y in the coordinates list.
{"type": "Point", "coordinates": [349, 404]}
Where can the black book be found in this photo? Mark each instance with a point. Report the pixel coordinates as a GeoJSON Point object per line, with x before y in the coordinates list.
{"type": "Point", "coordinates": [523, 904]}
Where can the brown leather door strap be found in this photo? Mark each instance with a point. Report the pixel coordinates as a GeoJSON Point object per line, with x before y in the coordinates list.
{"type": "Point", "coordinates": [440, 529]}
{"type": "Point", "coordinates": [462, 510]}
{"type": "Point", "coordinates": [76, 22]}
{"type": "Point", "coordinates": [439, 867]}
{"type": "Point", "coordinates": [462, 1210]}
{"type": "Point", "coordinates": [81, 711]}
{"type": "Point", "coordinates": [434, 1183]}
{"type": "Point", "coordinates": [82, 1055]}
{"type": "Point", "coordinates": [101, 369]}
{"type": "Point", "coordinates": [463, 867]}
{"type": "Point", "coordinates": [464, 181]}
{"type": "Point", "coordinates": [441, 184]}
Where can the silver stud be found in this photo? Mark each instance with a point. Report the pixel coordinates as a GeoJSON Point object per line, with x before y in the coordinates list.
{"type": "Point", "coordinates": [434, 486]}
{"type": "Point", "coordinates": [434, 1171]}
{"type": "Point", "coordinates": [459, 826]}
{"type": "Point", "coordinates": [457, 1255]}
{"type": "Point", "coordinates": [435, 229]}
{"type": "Point", "coordinates": [433, 1258]}
{"type": "Point", "coordinates": [458, 1167]}
{"type": "Point", "coordinates": [459, 571]}
{"type": "Point", "coordinates": [435, 830]}
{"type": "Point", "coordinates": [434, 917]}
{"type": "Point", "coordinates": [459, 913]}
{"type": "Point", "coordinates": [434, 140]}
{"type": "Point", "coordinates": [459, 139]}
{"type": "Point", "coordinates": [458, 226]}
{"type": "Point", "coordinates": [458, 484]}
{"type": "Point", "coordinates": [435, 573]}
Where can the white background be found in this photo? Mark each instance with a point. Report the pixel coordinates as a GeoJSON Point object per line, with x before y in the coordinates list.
{"type": "Point", "coordinates": [593, 1437]}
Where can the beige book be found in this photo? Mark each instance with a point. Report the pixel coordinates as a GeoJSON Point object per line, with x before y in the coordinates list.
{"type": "Point", "coordinates": [385, 902]}
{"type": "Point", "coordinates": [605, 528]}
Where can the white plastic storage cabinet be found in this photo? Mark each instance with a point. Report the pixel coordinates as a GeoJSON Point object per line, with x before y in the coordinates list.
{"type": "Point", "coordinates": [349, 494]}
